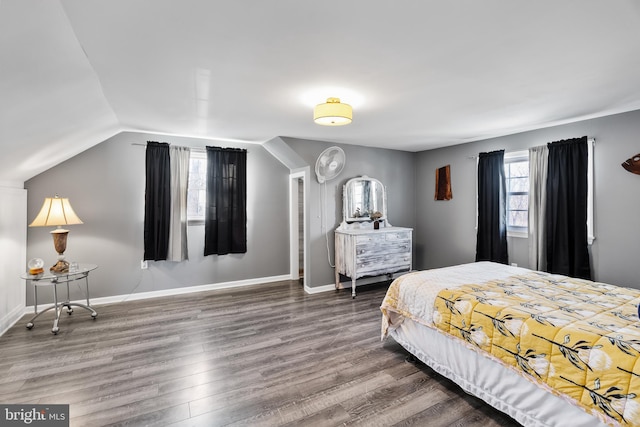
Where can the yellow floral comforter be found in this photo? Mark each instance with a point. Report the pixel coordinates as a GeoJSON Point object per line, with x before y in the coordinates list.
{"type": "Point", "coordinates": [579, 338]}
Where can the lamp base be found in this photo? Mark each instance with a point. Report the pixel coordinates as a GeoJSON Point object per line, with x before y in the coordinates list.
{"type": "Point", "coordinates": [61, 266]}
{"type": "Point", "coordinates": [60, 243]}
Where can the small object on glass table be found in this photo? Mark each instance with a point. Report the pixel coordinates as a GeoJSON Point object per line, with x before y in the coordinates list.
{"type": "Point", "coordinates": [35, 266]}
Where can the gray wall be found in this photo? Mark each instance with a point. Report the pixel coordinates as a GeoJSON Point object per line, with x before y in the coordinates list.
{"type": "Point", "coordinates": [394, 168]}
{"type": "Point", "coordinates": [105, 185]}
{"type": "Point", "coordinates": [445, 231]}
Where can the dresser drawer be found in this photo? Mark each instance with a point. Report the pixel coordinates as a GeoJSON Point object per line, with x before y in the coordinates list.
{"type": "Point", "coordinates": [383, 237]}
{"type": "Point", "coordinates": [383, 264]}
{"type": "Point", "coordinates": [369, 238]}
{"type": "Point", "coordinates": [383, 243]}
{"type": "Point", "coordinates": [384, 247]}
{"type": "Point", "coordinates": [400, 235]}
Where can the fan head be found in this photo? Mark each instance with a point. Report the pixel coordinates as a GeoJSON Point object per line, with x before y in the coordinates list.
{"type": "Point", "coordinates": [329, 164]}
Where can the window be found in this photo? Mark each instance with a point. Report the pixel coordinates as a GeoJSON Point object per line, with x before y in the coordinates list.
{"type": "Point", "coordinates": [197, 191]}
{"type": "Point", "coordinates": [516, 168]}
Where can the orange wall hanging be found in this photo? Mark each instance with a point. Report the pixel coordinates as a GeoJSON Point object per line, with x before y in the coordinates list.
{"type": "Point", "coordinates": [443, 183]}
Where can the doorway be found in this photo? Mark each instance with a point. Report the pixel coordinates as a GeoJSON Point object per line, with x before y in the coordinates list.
{"type": "Point", "coordinates": [298, 262]}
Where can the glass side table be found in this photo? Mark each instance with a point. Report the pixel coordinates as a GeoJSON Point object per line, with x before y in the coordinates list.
{"type": "Point", "coordinates": [81, 272]}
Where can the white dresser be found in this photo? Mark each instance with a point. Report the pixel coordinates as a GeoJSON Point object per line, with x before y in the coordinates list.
{"type": "Point", "coordinates": [369, 252]}
{"type": "Point", "coordinates": [363, 246]}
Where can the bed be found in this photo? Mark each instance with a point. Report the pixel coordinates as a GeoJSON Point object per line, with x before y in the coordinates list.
{"type": "Point", "coordinates": [546, 349]}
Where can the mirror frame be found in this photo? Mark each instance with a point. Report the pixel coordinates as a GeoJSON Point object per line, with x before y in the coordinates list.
{"type": "Point", "coordinates": [347, 216]}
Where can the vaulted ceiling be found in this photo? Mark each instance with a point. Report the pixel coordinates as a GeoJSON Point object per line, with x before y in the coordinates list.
{"type": "Point", "coordinates": [420, 74]}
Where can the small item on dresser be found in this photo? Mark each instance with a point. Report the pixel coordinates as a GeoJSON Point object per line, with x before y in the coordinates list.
{"type": "Point", "coordinates": [375, 217]}
{"type": "Point", "coordinates": [35, 266]}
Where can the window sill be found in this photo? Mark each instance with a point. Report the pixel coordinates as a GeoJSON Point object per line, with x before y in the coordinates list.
{"type": "Point", "coordinates": [519, 234]}
{"type": "Point", "coordinates": [525, 235]}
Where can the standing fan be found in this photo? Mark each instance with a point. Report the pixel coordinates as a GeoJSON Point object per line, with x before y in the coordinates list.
{"type": "Point", "coordinates": [329, 164]}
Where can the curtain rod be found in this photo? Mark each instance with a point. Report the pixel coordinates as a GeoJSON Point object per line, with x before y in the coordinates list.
{"type": "Point", "coordinates": [195, 149]}
{"type": "Point", "coordinates": [591, 141]}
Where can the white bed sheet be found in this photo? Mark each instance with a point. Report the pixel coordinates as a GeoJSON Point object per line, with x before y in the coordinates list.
{"type": "Point", "coordinates": [492, 382]}
{"type": "Point", "coordinates": [420, 288]}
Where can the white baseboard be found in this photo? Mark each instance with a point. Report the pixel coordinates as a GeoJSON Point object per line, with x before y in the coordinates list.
{"type": "Point", "coordinates": [347, 284]}
{"type": "Point", "coordinates": [175, 291]}
{"type": "Point", "coordinates": [319, 289]}
{"type": "Point", "coordinates": [11, 318]}
{"type": "Point", "coordinates": [19, 312]}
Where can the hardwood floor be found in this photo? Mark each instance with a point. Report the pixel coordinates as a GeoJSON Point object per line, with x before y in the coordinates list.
{"type": "Point", "coordinates": [266, 355]}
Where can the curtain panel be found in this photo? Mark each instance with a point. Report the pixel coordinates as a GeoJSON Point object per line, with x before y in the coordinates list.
{"type": "Point", "coordinates": [538, 157]}
{"type": "Point", "coordinates": [157, 201]}
{"type": "Point", "coordinates": [179, 160]}
{"type": "Point", "coordinates": [566, 210]}
{"type": "Point", "coordinates": [225, 226]}
{"type": "Point", "coordinates": [491, 244]}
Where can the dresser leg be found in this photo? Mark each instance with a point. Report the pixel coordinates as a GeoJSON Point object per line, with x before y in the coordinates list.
{"type": "Point", "coordinates": [353, 288]}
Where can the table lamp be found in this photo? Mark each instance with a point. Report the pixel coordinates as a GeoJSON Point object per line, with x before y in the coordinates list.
{"type": "Point", "coordinates": [57, 211]}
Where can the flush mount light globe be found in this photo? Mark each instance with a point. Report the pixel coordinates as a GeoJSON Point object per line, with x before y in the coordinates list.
{"type": "Point", "coordinates": [333, 113]}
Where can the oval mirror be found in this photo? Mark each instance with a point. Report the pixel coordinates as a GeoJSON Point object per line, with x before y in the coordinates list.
{"type": "Point", "coordinates": [362, 197]}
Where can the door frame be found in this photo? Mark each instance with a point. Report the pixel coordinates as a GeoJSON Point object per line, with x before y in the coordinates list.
{"type": "Point", "coordinates": [294, 232]}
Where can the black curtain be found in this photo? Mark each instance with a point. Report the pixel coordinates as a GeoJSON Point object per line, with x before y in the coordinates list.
{"type": "Point", "coordinates": [225, 226]}
{"type": "Point", "coordinates": [491, 244]}
{"type": "Point", "coordinates": [157, 201]}
{"type": "Point", "coordinates": [566, 213]}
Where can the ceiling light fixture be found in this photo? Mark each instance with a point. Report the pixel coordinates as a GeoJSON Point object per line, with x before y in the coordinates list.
{"type": "Point", "coordinates": [333, 113]}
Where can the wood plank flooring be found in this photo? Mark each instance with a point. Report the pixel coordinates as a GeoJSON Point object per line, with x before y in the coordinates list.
{"type": "Point", "coordinates": [267, 355]}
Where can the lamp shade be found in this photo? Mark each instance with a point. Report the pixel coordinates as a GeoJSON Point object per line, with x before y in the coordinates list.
{"type": "Point", "coordinates": [55, 211]}
{"type": "Point", "coordinates": [333, 113]}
